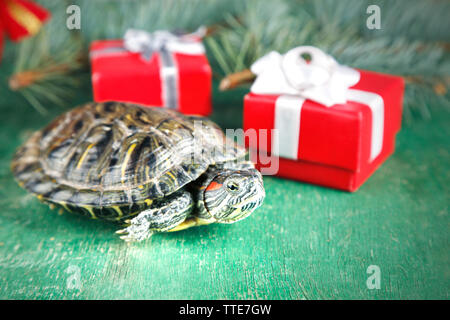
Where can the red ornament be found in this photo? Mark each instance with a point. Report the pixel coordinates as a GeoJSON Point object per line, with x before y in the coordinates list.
{"type": "Point", "coordinates": [20, 19]}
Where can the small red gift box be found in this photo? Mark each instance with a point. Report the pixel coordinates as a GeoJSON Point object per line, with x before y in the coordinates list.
{"type": "Point", "coordinates": [158, 69]}
{"type": "Point", "coordinates": [337, 146]}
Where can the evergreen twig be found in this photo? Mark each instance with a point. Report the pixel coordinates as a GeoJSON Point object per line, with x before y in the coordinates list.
{"type": "Point", "coordinates": [338, 27]}
{"type": "Point", "coordinates": [413, 41]}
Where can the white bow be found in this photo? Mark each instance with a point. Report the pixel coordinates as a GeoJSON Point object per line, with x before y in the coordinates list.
{"type": "Point", "coordinates": [147, 43]}
{"type": "Point", "coordinates": [321, 79]}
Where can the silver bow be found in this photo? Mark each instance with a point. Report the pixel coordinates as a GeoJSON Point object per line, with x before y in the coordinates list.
{"type": "Point", "coordinates": [148, 43]}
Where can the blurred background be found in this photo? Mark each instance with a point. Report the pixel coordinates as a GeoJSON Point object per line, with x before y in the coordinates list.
{"type": "Point", "coordinates": [48, 69]}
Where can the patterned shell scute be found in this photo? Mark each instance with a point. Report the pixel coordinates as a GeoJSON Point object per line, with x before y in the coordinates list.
{"type": "Point", "coordinates": [112, 147]}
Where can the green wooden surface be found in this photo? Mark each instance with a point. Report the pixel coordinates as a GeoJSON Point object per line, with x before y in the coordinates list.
{"type": "Point", "coordinates": [306, 242]}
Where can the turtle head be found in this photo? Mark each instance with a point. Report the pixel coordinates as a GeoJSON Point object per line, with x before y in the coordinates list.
{"type": "Point", "coordinates": [232, 195]}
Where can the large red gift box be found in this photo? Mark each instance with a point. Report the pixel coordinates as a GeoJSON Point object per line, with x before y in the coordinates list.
{"type": "Point", "coordinates": [338, 146]}
{"type": "Point", "coordinates": [122, 75]}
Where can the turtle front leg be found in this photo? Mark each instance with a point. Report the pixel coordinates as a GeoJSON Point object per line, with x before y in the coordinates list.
{"type": "Point", "coordinates": [162, 216]}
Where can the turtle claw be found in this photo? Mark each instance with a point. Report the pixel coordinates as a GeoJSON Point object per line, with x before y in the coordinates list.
{"type": "Point", "coordinates": [135, 238]}
{"type": "Point", "coordinates": [122, 231]}
{"type": "Point", "coordinates": [127, 238]}
{"type": "Point", "coordinates": [124, 235]}
{"type": "Point", "coordinates": [135, 232]}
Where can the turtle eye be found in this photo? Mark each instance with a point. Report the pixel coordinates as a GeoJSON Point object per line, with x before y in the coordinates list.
{"type": "Point", "coordinates": [232, 186]}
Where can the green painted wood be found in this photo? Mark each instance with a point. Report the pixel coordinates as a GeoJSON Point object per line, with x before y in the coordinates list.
{"type": "Point", "coordinates": [306, 242]}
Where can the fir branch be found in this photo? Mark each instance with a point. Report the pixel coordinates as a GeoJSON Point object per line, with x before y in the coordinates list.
{"type": "Point", "coordinates": [47, 66]}
{"type": "Point", "coordinates": [42, 76]}
{"type": "Point", "coordinates": [338, 27]}
{"type": "Point", "coordinates": [106, 19]}
{"type": "Point", "coordinates": [413, 41]}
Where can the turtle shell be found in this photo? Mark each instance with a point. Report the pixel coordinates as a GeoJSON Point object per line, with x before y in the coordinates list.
{"type": "Point", "coordinates": [112, 154]}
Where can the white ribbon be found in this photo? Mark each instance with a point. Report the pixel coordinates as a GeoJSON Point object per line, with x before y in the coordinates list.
{"type": "Point", "coordinates": [288, 110]}
{"type": "Point", "coordinates": [322, 80]}
{"type": "Point", "coordinates": [376, 104]}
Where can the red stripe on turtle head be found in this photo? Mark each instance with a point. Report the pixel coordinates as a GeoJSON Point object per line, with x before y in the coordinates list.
{"type": "Point", "coordinates": [214, 186]}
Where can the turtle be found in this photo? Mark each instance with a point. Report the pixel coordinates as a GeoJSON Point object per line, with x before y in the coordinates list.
{"type": "Point", "coordinates": [147, 169]}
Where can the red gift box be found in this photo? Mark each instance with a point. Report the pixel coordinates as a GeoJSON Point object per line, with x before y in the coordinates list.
{"type": "Point", "coordinates": [159, 77]}
{"type": "Point", "coordinates": [338, 146]}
